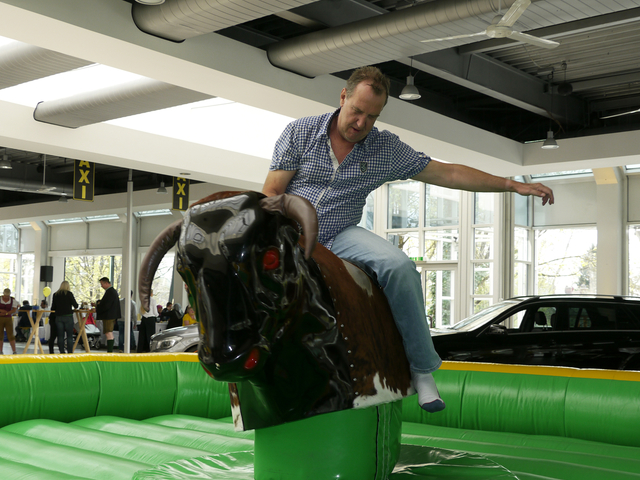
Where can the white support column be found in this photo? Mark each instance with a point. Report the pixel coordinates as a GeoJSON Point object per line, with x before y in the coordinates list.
{"type": "Point", "coordinates": [41, 257]}
{"type": "Point", "coordinates": [464, 284]}
{"type": "Point", "coordinates": [611, 234]}
{"type": "Point", "coordinates": [505, 227]}
{"type": "Point", "coordinates": [127, 266]}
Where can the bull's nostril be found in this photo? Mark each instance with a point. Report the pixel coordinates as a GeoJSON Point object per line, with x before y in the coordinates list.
{"type": "Point", "coordinates": [252, 359]}
{"type": "Point", "coordinates": [271, 259]}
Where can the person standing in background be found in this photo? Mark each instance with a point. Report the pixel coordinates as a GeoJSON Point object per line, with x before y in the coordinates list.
{"type": "Point", "coordinates": [175, 317]}
{"type": "Point", "coordinates": [63, 304]}
{"type": "Point", "coordinates": [147, 325]}
{"type": "Point", "coordinates": [108, 310]}
{"type": "Point", "coordinates": [134, 321]}
{"type": "Point", "coordinates": [166, 312]}
{"type": "Point", "coordinates": [8, 306]}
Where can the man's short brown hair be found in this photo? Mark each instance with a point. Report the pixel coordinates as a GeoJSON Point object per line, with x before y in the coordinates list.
{"type": "Point", "coordinates": [374, 78]}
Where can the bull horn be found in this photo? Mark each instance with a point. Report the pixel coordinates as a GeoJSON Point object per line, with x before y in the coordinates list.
{"type": "Point", "coordinates": [300, 210]}
{"type": "Point", "coordinates": [160, 246]}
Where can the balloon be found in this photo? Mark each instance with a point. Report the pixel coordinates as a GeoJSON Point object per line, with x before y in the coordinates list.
{"type": "Point", "coordinates": [46, 291]}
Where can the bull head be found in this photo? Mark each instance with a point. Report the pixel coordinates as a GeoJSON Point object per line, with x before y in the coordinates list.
{"type": "Point", "coordinates": [269, 318]}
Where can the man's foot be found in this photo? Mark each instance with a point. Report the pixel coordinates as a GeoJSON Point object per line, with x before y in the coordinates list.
{"type": "Point", "coordinates": [428, 395]}
{"type": "Point", "coordinates": [15, 353]}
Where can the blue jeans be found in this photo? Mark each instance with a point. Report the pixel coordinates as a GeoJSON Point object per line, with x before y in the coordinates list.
{"type": "Point", "coordinates": [132, 338]}
{"type": "Point", "coordinates": [64, 323]}
{"type": "Point", "coordinates": [400, 281]}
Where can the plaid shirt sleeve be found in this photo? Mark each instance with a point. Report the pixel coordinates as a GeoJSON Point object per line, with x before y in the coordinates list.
{"type": "Point", "coordinates": [405, 161]}
{"type": "Point", "coordinates": [286, 153]}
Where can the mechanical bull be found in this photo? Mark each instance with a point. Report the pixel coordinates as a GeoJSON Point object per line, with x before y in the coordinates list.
{"type": "Point", "coordinates": [296, 331]}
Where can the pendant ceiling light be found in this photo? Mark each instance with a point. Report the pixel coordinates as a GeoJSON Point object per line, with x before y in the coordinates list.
{"type": "Point", "coordinates": [5, 162]}
{"type": "Point", "coordinates": [410, 91]}
{"type": "Point", "coordinates": [162, 188]}
{"type": "Point", "coordinates": [550, 142]}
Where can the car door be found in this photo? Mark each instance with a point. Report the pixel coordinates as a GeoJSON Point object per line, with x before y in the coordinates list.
{"type": "Point", "coordinates": [521, 337]}
{"type": "Point", "coordinates": [604, 336]}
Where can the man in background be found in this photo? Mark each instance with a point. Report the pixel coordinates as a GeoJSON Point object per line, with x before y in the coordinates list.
{"type": "Point", "coordinates": [108, 310]}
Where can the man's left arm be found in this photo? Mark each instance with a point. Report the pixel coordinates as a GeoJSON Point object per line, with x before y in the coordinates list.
{"type": "Point", "coordinates": [461, 177]}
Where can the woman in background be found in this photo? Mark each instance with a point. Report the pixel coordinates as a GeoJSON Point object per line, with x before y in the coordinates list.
{"type": "Point", "coordinates": [189, 317]}
{"type": "Point", "coordinates": [63, 304]}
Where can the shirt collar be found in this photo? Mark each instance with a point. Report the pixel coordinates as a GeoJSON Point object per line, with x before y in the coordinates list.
{"type": "Point", "coordinates": [323, 132]}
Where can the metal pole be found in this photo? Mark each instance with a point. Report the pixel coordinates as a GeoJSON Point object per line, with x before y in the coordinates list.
{"type": "Point", "coordinates": [127, 266]}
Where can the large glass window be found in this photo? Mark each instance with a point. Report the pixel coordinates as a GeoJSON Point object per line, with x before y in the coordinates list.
{"type": "Point", "coordinates": [423, 220]}
{"type": "Point", "coordinates": [8, 271]}
{"type": "Point", "coordinates": [634, 260]}
{"type": "Point", "coordinates": [368, 213]}
{"type": "Point", "coordinates": [84, 272]}
{"type": "Point", "coordinates": [439, 286]}
{"type": "Point", "coordinates": [483, 251]}
{"type": "Point", "coordinates": [566, 260]}
{"type": "Point", "coordinates": [163, 281]}
{"type": "Point", "coordinates": [8, 239]}
{"type": "Point", "coordinates": [522, 261]}
{"type": "Point", "coordinates": [26, 277]}
{"type": "Point", "coordinates": [404, 205]}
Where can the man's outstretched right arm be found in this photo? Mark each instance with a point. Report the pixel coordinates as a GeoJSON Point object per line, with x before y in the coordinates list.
{"type": "Point", "coordinates": [277, 182]}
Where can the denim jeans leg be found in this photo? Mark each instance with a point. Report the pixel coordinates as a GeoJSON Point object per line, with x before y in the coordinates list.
{"type": "Point", "coordinates": [400, 281]}
{"type": "Point", "coordinates": [120, 334]}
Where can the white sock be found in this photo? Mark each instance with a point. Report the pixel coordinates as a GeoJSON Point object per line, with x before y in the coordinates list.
{"type": "Point", "coordinates": [425, 384]}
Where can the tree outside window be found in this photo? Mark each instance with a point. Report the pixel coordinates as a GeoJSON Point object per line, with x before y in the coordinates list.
{"type": "Point", "coordinates": [566, 260]}
{"type": "Point", "coordinates": [83, 274]}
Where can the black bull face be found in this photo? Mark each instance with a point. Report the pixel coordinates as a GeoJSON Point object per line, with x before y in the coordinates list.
{"type": "Point", "coordinates": [268, 316]}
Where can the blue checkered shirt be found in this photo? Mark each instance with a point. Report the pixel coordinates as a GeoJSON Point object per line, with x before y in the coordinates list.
{"type": "Point", "coordinates": [339, 195]}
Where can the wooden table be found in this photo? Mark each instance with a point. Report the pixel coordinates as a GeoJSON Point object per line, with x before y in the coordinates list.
{"type": "Point", "coordinates": [82, 332]}
{"type": "Point", "coordinates": [35, 330]}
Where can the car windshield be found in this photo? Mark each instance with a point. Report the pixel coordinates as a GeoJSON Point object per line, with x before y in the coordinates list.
{"type": "Point", "coordinates": [483, 316]}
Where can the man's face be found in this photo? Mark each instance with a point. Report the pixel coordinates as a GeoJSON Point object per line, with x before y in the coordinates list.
{"type": "Point", "coordinates": [7, 292]}
{"type": "Point", "coordinates": [359, 112]}
{"type": "Point", "coordinates": [105, 285]}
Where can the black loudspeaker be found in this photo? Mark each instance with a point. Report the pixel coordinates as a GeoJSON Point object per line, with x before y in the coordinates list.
{"type": "Point", "coordinates": [46, 273]}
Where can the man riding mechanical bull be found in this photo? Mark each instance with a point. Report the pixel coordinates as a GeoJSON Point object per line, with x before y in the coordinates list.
{"type": "Point", "coordinates": [247, 276]}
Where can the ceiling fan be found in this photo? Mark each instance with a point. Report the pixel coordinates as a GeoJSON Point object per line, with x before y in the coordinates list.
{"type": "Point", "coordinates": [501, 28]}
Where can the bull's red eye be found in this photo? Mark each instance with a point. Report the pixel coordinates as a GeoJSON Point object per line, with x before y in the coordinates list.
{"type": "Point", "coordinates": [252, 359]}
{"type": "Point", "coordinates": [271, 259]}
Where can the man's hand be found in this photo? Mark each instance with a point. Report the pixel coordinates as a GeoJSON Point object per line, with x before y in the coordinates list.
{"type": "Point", "coordinates": [535, 189]}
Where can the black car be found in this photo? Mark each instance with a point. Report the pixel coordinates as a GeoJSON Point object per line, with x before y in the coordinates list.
{"type": "Point", "coordinates": [561, 330]}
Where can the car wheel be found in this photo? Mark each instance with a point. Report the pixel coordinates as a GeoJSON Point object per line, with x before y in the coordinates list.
{"type": "Point", "coordinates": [192, 349]}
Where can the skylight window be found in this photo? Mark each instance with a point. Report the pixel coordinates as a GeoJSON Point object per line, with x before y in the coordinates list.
{"type": "Point", "coordinates": [153, 213]}
{"type": "Point", "coordinates": [566, 173]}
{"type": "Point", "coordinates": [60, 221]}
{"type": "Point", "coordinates": [101, 218]}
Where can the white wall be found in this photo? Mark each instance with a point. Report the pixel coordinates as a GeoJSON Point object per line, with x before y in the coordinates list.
{"type": "Point", "coordinates": [575, 204]}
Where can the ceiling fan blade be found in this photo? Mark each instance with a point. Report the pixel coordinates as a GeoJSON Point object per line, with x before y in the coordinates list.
{"type": "Point", "coordinates": [514, 13]}
{"type": "Point", "coordinates": [621, 114]}
{"type": "Point", "coordinates": [455, 37]}
{"type": "Point", "coordinates": [530, 39]}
